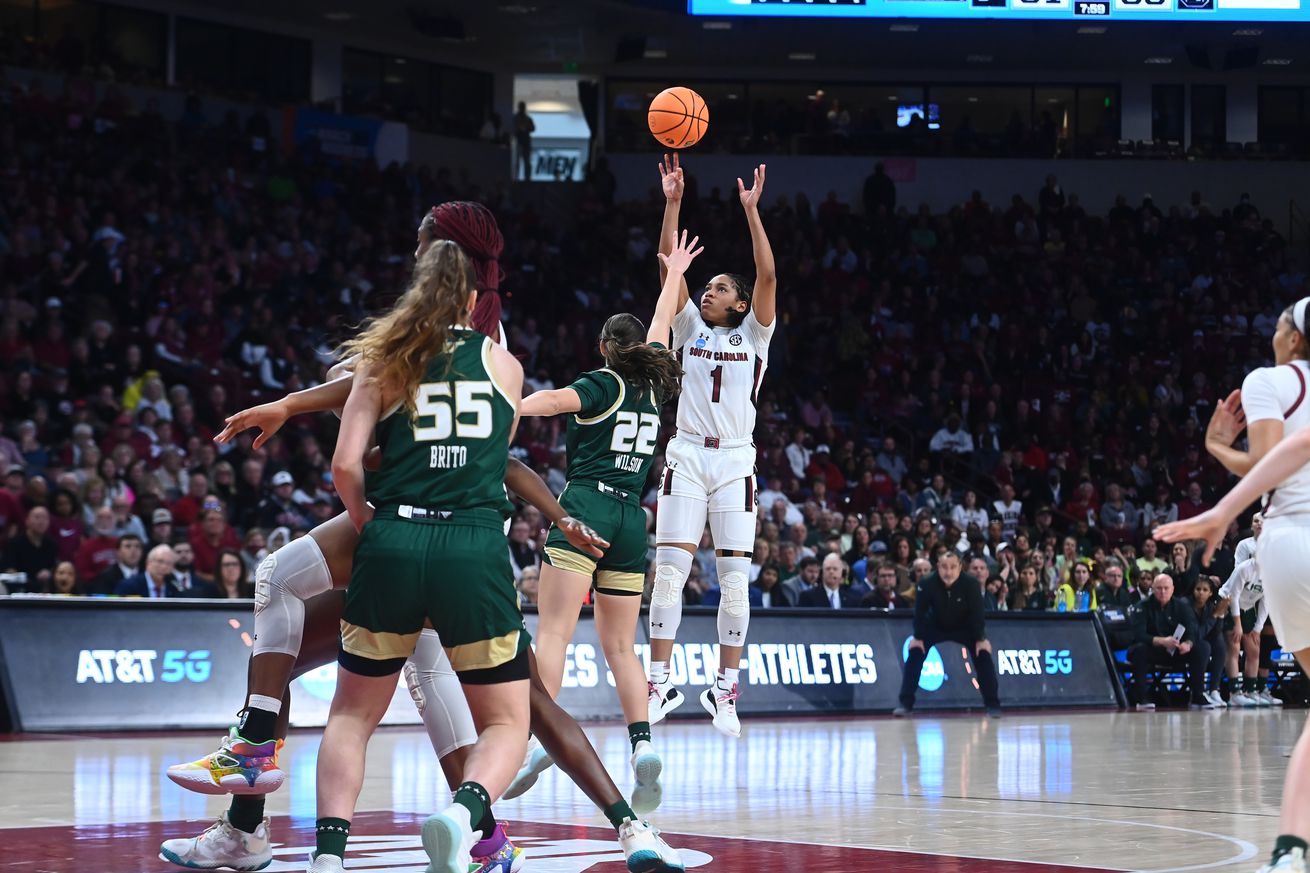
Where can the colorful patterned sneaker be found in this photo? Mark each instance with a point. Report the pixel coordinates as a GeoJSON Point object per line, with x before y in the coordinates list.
{"type": "Point", "coordinates": [723, 708]}
{"type": "Point", "coordinates": [535, 762]}
{"type": "Point", "coordinates": [1291, 862]}
{"type": "Point", "coordinates": [496, 854]}
{"type": "Point", "coordinates": [646, 769]}
{"type": "Point", "coordinates": [662, 698]}
{"type": "Point", "coordinates": [238, 767]}
{"type": "Point", "coordinates": [221, 846]}
{"type": "Point", "coordinates": [646, 851]}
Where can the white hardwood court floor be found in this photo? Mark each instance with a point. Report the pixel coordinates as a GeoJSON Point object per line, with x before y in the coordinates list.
{"type": "Point", "coordinates": [1165, 791]}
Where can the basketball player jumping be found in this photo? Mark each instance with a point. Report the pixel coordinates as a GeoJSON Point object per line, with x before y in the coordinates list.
{"type": "Point", "coordinates": [709, 470]}
{"type": "Point", "coordinates": [1272, 403]}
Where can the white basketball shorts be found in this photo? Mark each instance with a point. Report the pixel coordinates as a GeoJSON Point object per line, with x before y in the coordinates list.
{"type": "Point", "coordinates": [716, 483]}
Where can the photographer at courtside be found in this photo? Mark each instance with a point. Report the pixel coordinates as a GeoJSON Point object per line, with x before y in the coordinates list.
{"type": "Point", "coordinates": [946, 610]}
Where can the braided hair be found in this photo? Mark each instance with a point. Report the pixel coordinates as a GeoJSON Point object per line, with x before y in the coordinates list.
{"type": "Point", "coordinates": [473, 228]}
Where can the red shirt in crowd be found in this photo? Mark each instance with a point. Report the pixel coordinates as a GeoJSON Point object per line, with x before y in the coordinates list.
{"type": "Point", "coordinates": [94, 556]}
{"type": "Point", "coordinates": [207, 553]}
{"type": "Point", "coordinates": [67, 534]}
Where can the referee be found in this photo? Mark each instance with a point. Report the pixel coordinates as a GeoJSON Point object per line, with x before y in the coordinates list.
{"type": "Point", "coordinates": [948, 608]}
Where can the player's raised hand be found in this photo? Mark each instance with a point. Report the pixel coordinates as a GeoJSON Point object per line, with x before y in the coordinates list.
{"type": "Point", "coordinates": [582, 537]}
{"type": "Point", "coordinates": [750, 197]}
{"type": "Point", "coordinates": [671, 178]}
{"type": "Point", "coordinates": [268, 417]}
{"type": "Point", "coordinates": [684, 252]}
{"type": "Point", "coordinates": [1228, 420]}
{"type": "Point", "coordinates": [1209, 526]}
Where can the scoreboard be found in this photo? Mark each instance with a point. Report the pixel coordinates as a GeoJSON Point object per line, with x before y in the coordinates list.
{"type": "Point", "coordinates": [1127, 10]}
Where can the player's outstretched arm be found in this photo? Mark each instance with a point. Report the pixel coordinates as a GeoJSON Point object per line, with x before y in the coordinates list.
{"type": "Point", "coordinates": [671, 181]}
{"type": "Point", "coordinates": [673, 296]}
{"type": "Point", "coordinates": [523, 481]}
{"type": "Point", "coordinates": [1282, 461]}
{"type": "Point", "coordinates": [546, 403]}
{"type": "Point", "coordinates": [269, 417]}
{"type": "Point", "coordinates": [764, 300]}
{"type": "Point", "coordinates": [358, 418]}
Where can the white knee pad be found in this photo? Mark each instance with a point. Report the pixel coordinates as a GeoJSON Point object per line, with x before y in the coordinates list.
{"type": "Point", "coordinates": [283, 582]}
{"type": "Point", "coordinates": [438, 696]}
{"type": "Point", "coordinates": [672, 567]}
{"type": "Point", "coordinates": [734, 600]}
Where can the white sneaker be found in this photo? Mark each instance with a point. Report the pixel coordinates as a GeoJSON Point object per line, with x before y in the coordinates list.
{"type": "Point", "coordinates": [646, 851]}
{"type": "Point", "coordinates": [1269, 698]}
{"type": "Point", "coordinates": [535, 762]}
{"type": "Point", "coordinates": [221, 846]}
{"type": "Point", "coordinates": [1241, 699]}
{"type": "Point", "coordinates": [663, 699]}
{"type": "Point", "coordinates": [325, 864]}
{"type": "Point", "coordinates": [1146, 707]}
{"type": "Point", "coordinates": [646, 769]}
{"type": "Point", "coordinates": [723, 708]}
{"type": "Point", "coordinates": [1216, 698]}
{"type": "Point", "coordinates": [1292, 862]}
{"type": "Point", "coordinates": [448, 838]}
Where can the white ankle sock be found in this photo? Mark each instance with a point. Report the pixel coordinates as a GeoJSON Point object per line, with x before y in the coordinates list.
{"type": "Point", "coordinates": [727, 678]}
{"type": "Point", "coordinates": [264, 702]}
{"type": "Point", "coordinates": [659, 672]}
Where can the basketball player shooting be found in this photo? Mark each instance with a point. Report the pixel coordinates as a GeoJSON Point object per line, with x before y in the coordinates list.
{"type": "Point", "coordinates": [723, 345]}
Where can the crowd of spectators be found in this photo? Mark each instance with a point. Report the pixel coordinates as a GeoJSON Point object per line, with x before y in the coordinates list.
{"type": "Point", "coordinates": [1023, 382]}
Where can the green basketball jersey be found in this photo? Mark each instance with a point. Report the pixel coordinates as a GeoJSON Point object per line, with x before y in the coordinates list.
{"type": "Point", "coordinates": [613, 437]}
{"type": "Point", "coordinates": [452, 453]}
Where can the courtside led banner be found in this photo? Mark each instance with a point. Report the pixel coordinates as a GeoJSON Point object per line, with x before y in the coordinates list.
{"type": "Point", "coordinates": [1125, 10]}
{"type": "Point", "coordinates": [96, 664]}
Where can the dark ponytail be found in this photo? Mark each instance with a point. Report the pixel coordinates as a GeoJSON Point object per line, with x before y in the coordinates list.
{"type": "Point", "coordinates": [637, 361]}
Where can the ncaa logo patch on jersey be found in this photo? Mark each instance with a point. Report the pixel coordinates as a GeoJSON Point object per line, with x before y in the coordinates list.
{"type": "Point", "coordinates": [701, 340]}
{"type": "Point", "coordinates": [735, 339]}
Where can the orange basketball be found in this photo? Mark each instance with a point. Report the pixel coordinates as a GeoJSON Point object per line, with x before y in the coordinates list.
{"type": "Point", "coordinates": [678, 117]}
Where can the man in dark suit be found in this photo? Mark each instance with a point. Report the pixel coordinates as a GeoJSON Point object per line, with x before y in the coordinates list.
{"type": "Point", "coordinates": [127, 563]}
{"type": "Point", "coordinates": [806, 578]}
{"type": "Point", "coordinates": [185, 579]}
{"type": "Point", "coordinates": [1167, 636]}
{"type": "Point", "coordinates": [832, 592]}
{"type": "Point", "coordinates": [884, 594]}
{"type": "Point", "coordinates": [948, 608]}
{"type": "Point", "coordinates": [156, 580]}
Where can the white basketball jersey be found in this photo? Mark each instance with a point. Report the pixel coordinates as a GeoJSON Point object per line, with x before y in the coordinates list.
{"type": "Point", "coordinates": [1280, 393]}
{"type": "Point", "coordinates": [722, 371]}
{"type": "Point", "coordinates": [1244, 585]}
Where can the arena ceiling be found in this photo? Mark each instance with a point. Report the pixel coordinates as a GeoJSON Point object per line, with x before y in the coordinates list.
{"type": "Point", "coordinates": [549, 35]}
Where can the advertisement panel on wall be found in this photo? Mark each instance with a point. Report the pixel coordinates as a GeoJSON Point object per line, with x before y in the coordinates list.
{"type": "Point", "coordinates": [71, 664]}
{"type": "Point", "coordinates": [1134, 10]}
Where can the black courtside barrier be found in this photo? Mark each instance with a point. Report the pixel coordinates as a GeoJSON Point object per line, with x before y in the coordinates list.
{"type": "Point", "coordinates": [110, 664]}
